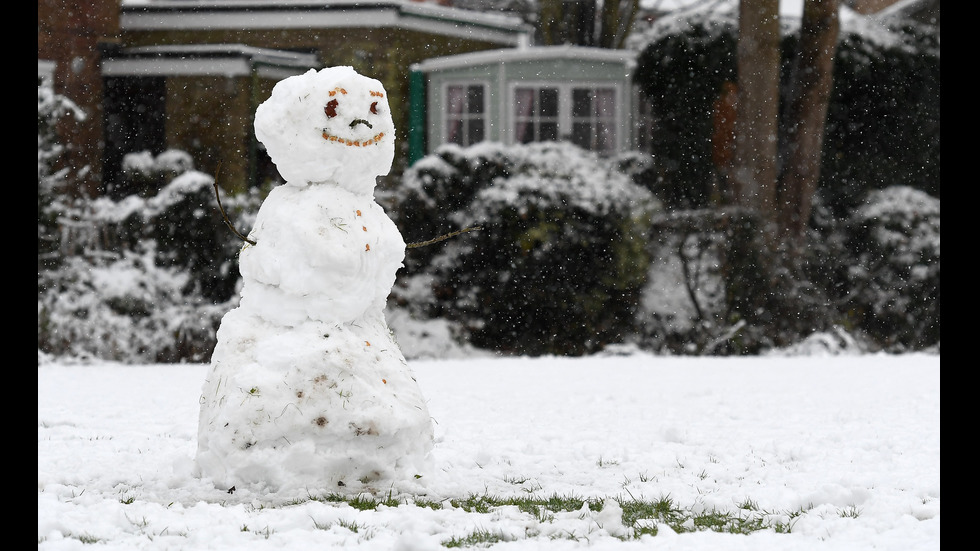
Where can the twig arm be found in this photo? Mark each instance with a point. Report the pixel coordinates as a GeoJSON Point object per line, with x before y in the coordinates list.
{"type": "Point", "coordinates": [225, 216]}
{"type": "Point", "coordinates": [442, 237]}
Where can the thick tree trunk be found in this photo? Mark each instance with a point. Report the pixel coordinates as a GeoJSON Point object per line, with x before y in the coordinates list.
{"type": "Point", "coordinates": [806, 114]}
{"type": "Point", "coordinates": [757, 119]}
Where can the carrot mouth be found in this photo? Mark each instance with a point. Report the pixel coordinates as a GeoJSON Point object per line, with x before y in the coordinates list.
{"type": "Point", "coordinates": [374, 140]}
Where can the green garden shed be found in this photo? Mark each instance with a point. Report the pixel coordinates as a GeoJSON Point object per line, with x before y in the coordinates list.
{"type": "Point", "coordinates": [520, 95]}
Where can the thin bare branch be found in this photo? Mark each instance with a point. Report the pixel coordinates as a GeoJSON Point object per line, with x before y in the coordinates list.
{"type": "Point", "coordinates": [442, 237]}
{"type": "Point", "coordinates": [225, 216]}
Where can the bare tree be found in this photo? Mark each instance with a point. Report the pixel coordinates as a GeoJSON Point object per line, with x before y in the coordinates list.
{"type": "Point", "coordinates": [782, 198]}
{"type": "Point", "coordinates": [805, 115]}
{"type": "Point", "coordinates": [767, 280]}
{"type": "Point", "coordinates": [757, 113]}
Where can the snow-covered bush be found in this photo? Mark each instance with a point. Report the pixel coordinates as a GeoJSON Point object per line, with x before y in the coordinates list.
{"type": "Point", "coordinates": [123, 307]}
{"type": "Point", "coordinates": [144, 173]}
{"type": "Point", "coordinates": [561, 255]}
{"type": "Point", "coordinates": [836, 341]}
{"type": "Point", "coordinates": [185, 222]}
{"type": "Point", "coordinates": [51, 181]}
{"type": "Point", "coordinates": [142, 279]}
{"type": "Point", "coordinates": [440, 184]}
{"type": "Point", "coordinates": [680, 71]}
{"type": "Point", "coordinates": [893, 280]}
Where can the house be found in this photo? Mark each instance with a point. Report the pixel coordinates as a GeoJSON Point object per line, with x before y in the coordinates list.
{"type": "Point", "coordinates": [188, 74]}
{"type": "Point", "coordinates": [519, 95]}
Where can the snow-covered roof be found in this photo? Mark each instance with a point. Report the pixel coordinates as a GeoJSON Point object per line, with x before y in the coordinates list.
{"type": "Point", "coordinates": [206, 59]}
{"type": "Point", "coordinates": [569, 52]}
{"type": "Point", "coordinates": [148, 15]}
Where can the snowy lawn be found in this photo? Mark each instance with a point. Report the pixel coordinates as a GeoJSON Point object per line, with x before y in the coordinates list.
{"type": "Point", "coordinates": [798, 453]}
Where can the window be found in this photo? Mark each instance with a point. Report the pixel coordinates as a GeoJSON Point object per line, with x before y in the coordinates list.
{"type": "Point", "coordinates": [465, 113]}
{"type": "Point", "coordinates": [594, 118]}
{"type": "Point", "coordinates": [582, 114]}
{"type": "Point", "coordinates": [536, 114]}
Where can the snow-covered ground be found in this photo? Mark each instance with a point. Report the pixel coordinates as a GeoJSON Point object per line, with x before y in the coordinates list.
{"type": "Point", "coordinates": [845, 448]}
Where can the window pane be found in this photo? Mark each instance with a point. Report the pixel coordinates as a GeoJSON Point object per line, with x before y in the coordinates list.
{"type": "Point", "coordinates": [454, 99]}
{"type": "Point", "coordinates": [582, 135]}
{"type": "Point", "coordinates": [605, 103]}
{"type": "Point", "coordinates": [548, 102]}
{"type": "Point", "coordinates": [605, 136]}
{"type": "Point", "coordinates": [581, 102]}
{"type": "Point", "coordinates": [523, 102]}
{"type": "Point", "coordinates": [453, 131]}
{"type": "Point", "coordinates": [475, 98]}
{"type": "Point", "coordinates": [476, 131]}
{"type": "Point", "coordinates": [548, 132]}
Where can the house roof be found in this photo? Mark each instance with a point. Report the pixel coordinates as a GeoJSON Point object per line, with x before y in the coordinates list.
{"type": "Point", "coordinates": [228, 60]}
{"type": "Point", "coordinates": [505, 55]}
{"type": "Point", "coordinates": [150, 15]}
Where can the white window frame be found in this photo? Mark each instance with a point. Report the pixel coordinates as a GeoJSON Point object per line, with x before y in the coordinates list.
{"type": "Point", "coordinates": [464, 117]}
{"type": "Point", "coordinates": [565, 118]}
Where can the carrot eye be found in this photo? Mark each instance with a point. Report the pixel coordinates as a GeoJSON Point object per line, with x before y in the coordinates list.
{"type": "Point", "coordinates": [331, 109]}
{"type": "Point", "coordinates": [374, 108]}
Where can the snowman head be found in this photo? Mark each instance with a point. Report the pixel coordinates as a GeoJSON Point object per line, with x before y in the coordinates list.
{"type": "Point", "coordinates": [328, 126]}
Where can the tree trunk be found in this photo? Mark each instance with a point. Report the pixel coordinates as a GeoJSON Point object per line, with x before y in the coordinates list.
{"type": "Point", "coordinates": [585, 22]}
{"type": "Point", "coordinates": [617, 18]}
{"type": "Point", "coordinates": [806, 114]}
{"type": "Point", "coordinates": [551, 22]}
{"type": "Point", "coordinates": [757, 118]}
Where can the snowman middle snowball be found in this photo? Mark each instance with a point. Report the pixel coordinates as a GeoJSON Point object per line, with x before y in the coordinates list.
{"type": "Point", "coordinates": [307, 387]}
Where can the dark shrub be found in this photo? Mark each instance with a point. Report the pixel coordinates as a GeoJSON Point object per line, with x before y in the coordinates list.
{"type": "Point", "coordinates": [561, 256]}
{"type": "Point", "coordinates": [893, 280]}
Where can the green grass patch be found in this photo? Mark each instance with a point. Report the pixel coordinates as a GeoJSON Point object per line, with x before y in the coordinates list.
{"type": "Point", "coordinates": [87, 539]}
{"type": "Point", "coordinates": [477, 538]}
{"type": "Point", "coordinates": [642, 516]}
{"type": "Point", "coordinates": [427, 503]}
{"type": "Point", "coordinates": [350, 525]}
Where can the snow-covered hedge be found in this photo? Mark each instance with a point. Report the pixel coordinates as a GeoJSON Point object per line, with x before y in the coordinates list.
{"type": "Point", "coordinates": [561, 255]}
{"type": "Point", "coordinates": [893, 280]}
{"type": "Point", "coordinates": [142, 279]}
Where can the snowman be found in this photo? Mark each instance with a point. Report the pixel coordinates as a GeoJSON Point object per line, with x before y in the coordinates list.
{"type": "Point", "coordinates": [306, 386]}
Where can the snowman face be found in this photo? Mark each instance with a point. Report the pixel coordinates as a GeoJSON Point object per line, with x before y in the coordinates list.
{"type": "Point", "coordinates": [331, 126]}
{"type": "Point", "coordinates": [351, 120]}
